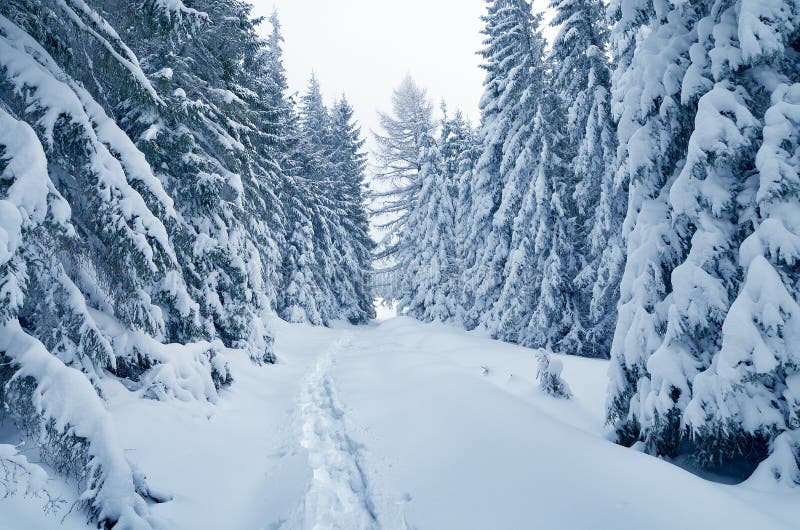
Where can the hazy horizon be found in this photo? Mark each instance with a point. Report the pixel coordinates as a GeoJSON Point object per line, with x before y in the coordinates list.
{"type": "Point", "coordinates": [440, 52]}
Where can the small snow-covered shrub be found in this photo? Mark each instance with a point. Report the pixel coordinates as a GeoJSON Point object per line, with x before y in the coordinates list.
{"type": "Point", "coordinates": [59, 448]}
{"type": "Point", "coordinates": [190, 372]}
{"type": "Point", "coordinates": [19, 476]}
{"type": "Point", "coordinates": [549, 376]}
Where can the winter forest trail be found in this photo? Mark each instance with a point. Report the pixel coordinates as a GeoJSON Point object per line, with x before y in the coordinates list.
{"type": "Point", "coordinates": [338, 494]}
{"type": "Point", "coordinates": [401, 425]}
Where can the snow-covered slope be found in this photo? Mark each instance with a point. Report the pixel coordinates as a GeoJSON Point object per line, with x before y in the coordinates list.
{"type": "Point", "coordinates": [404, 425]}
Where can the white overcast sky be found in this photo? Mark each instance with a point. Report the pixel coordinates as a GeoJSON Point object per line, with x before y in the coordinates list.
{"type": "Point", "coordinates": [364, 48]}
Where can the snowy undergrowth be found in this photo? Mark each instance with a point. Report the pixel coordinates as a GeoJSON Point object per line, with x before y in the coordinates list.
{"type": "Point", "coordinates": [194, 371]}
{"type": "Point", "coordinates": [17, 474]}
{"type": "Point", "coordinates": [68, 408]}
{"type": "Point", "coordinates": [407, 425]}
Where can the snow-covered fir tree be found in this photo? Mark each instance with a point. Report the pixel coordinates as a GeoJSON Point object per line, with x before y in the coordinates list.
{"type": "Point", "coordinates": [651, 51]}
{"type": "Point", "coordinates": [91, 276]}
{"type": "Point", "coordinates": [330, 182]}
{"type": "Point", "coordinates": [555, 319]}
{"type": "Point", "coordinates": [429, 275]}
{"type": "Point", "coordinates": [513, 53]}
{"type": "Point", "coordinates": [315, 127]}
{"type": "Point", "coordinates": [349, 163]}
{"type": "Point", "coordinates": [712, 365]}
{"type": "Point", "coordinates": [582, 80]}
{"type": "Point", "coordinates": [279, 105]}
{"type": "Point", "coordinates": [313, 184]}
{"type": "Point", "coordinates": [706, 213]}
{"type": "Point", "coordinates": [531, 237]}
{"type": "Point", "coordinates": [298, 301]}
{"type": "Point", "coordinates": [739, 189]}
{"type": "Point", "coordinates": [211, 148]}
{"type": "Point", "coordinates": [464, 166]}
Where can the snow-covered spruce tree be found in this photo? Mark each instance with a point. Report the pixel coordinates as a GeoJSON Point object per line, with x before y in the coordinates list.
{"type": "Point", "coordinates": [277, 87]}
{"type": "Point", "coordinates": [463, 166]}
{"type": "Point", "coordinates": [331, 176]}
{"type": "Point", "coordinates": [529, 190]}
{"type": "Point", "coordinates": [554, 318]}
{"type": "Point", "coordinates": [651, 44]}
{"type": "Point", "coordinates": [534, 222]}
{"type": "Point", "coordinates": [512, 55]}
{"type": "Point", "coordinates": [298, 301]}
{"type": "Point", "coordinates": [549, 375]}
{"type": "Point", "coordinates": [705, 200]}
{"type": "Point", "coordinates": [154, 310]}
{"type": "Point", "coordinates": [457, 146]}
{"type": "Point", "coordinates": [51, 401]}
{"type": "Point", "coordinates": [219, 268]}
{"type": "Point", "coordinates": [349, 174]}
{"type": "Point", "coordinates": [428, 271]}
{"type": "Point", "coordinates": [460, 150]}
{"type": "Point", "coordinates": [397, 182]}
{"type": "Point", "coordinates": [315, 127]}
{"type": "Point", "coordinates": [213, 147]}
{"type": "Point", "coordinates": [582, 79]}
{"type": "Point", "coordinates": [740, 192]}
{"type": "Point", "coordinates": [285, 122]}
{"type": "Point", "coordinates": [311, 184]}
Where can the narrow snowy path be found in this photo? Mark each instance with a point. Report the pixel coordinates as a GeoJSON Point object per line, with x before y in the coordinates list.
{"type": "Point", "coordinates": [338, 496]}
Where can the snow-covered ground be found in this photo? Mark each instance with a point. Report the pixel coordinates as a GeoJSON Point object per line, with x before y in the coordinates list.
{"type": "Point", "coordinates": [402, 425]}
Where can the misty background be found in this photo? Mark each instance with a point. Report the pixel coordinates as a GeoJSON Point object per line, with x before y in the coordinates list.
{"type": "Point", "coordinates": [365, 47]}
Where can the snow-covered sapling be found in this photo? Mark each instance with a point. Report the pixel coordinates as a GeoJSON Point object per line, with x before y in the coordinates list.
{"type": "Point", "coordinates": [17, 475]}
{"type": "Point", "coordinates": [20, 476]}
{"type": "Point", "coordinates": [549, 376]}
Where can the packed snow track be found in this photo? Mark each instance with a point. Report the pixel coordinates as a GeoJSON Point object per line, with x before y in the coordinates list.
{"type": "Point", "coordinates": [338, 495]}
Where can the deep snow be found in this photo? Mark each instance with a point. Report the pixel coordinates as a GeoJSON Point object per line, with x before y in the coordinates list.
{"type": "Point", "coordinates": [404, 425]}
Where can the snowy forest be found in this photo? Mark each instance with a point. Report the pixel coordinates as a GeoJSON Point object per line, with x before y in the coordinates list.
{"type": "Point", "coordinates": [632, 192]}
{"type": "Point", "coordinates": [179, 229]}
